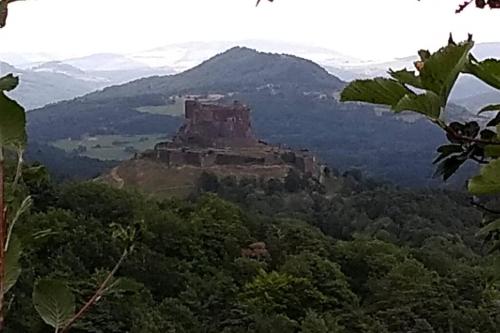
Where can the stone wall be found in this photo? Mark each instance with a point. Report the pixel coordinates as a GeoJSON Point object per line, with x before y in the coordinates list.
{"type": "Point", "coordinates": [214, 125]}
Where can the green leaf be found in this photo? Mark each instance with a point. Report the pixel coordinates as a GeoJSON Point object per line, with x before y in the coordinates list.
{"type": "Point", "coordinates": [441, 70]}
{"type": "Point", "coordinates": [8, 82]}
{"type": "Point", "coordinates": [427, 104]}
{"type": "Point", "coordinates": [54, 302]}
{"type": "Point", "coordinates": [487, 71]}
{"type": "Point", "coordinates": [377, 91]}
{"type": "Point", "coordinates": [12, 123]}
{"type": "Point", "coordinates": [490, 227]}
{"type": "Point", "coordinates": [406, 77]}
{"type": "Point", "coordinates": [492, 150]}
{"type": "Point", "coordinates": [488, 181]}
{"type": "Point", "coordinates": [493, 107]}
{"type": "Point", "coordinates": [12, 266]}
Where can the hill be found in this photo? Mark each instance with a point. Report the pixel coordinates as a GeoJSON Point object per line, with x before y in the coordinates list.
{"type": "Point", "coordinates": [293, 102]}
{"type": "Point", "coordinates": [235, 71]}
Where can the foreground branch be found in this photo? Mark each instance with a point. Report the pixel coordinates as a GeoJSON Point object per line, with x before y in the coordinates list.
{"type": "Point", "coordinates": [97, 295]}
{"type": "Point", "coordinates": [3, 230]}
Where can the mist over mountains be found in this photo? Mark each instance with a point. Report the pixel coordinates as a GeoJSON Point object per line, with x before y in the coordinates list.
{"type": "Point", "coordinates": [48, 79]}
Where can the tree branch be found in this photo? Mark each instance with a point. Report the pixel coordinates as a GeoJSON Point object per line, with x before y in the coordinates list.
{"type": "Point", "coordinates": [484, 208]}
{"type": "Point", "coordinates": [97, 295]}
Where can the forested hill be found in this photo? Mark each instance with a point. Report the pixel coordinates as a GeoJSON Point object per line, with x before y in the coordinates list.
{"type": "Point", "coordinates": [261, 257]}
{"type": "Point", "coordinates": [293, 102]}
{"type": "Point", "coordinates": [237, 69]}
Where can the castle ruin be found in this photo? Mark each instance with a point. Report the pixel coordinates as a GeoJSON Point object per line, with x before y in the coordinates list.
{"type": "Point", "coordinates": [218, 136]}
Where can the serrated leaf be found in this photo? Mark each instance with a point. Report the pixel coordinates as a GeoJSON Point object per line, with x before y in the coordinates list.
{"type": "Point", "coordinates": [377, 91]}
{"type": "Point", "coordinates": [8, 82]}
{"type": "Point", "coordinates": [488, 181]}
{"type": "Point", "coordinates": [441, 70]}
{"type": "Point", "coordinates": [490, 227]}
{"type": "Point", "coordinates": [12, 266]}
{"type": "Point", "coordinates": [54, 302]}
{"type": "Point", "coordinates": [12, 123]}
{"type": "Point", "coordinates": [489, 108]}
{"type": "Point", "coordinates": [428, 104]}
{"type": "Point", "coordinates": [487, 70]}
{"type": "Point", "coordinates": [406, 77]}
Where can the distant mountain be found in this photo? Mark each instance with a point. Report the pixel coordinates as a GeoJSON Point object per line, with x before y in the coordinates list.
{"type": "Point", "coordinates": [42, 86]}
{"type": "Point", "coordinates": [184, 56]}
{"type": "Point", "coordinates": [105, 62]}
{"type": "Point", "coordinates": [48, 82]}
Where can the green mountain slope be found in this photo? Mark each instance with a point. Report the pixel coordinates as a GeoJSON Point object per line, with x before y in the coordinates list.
{"type": "Point", "coordinates": [234, 70]}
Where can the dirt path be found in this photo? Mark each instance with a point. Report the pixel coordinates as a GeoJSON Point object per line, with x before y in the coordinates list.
{"type": "Point", "coordinates": [116, 177]}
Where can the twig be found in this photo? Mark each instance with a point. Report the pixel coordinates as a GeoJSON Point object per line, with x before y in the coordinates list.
{"type": "Point", "coordinates": [460, 137]}
{"type": "Point", "coordinates": [484, 208]}
{"type": "Point", "coordinates": [3, 227]}
{"type": "Point", "coordinates": [97, 295]}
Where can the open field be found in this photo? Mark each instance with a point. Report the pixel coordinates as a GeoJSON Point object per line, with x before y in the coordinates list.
{"type": "Point", "coordinates": [110, 147]}
{"type": "Point", "coordinates": [176, 109]}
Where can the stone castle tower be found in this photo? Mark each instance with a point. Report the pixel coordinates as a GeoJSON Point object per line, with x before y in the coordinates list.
{"type": "Point", "coordinates": [215, 125]}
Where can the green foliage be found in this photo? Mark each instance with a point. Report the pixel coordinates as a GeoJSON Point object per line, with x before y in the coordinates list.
{"type": "Point", "coordinates": [327, 267]}
{"type": "Point", "coordinates": [488, 181]}
{"type": "Point", "coordinates": [437, 74]}
{"type": "Point", "coordinates": [281, 293]}
{"type": "Point", "coordinates": [487, 71]}
{"type": "Point", "coordinates": [12, 116]}
{"type": "Point", "coordinates": [54, 302]}
{"type": "Point", "coordinates": [12, 264]}
{"type": "Point", "coordinates": [377, 91]}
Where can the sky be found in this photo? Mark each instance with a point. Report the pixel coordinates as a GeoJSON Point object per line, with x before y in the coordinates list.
{"type": "Point", "coordinates": [365, 29]}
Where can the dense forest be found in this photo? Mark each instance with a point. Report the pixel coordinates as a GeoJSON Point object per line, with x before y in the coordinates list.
{"type": "Point", "coordinates": [262, 256]}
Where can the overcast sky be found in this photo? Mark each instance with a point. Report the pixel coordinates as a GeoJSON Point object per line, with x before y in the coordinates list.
{"type": "Point", "coordinates": [361, 28]}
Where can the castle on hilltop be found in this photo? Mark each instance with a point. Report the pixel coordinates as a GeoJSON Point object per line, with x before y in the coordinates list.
{"type": "Point", "coordinates": [220, 136]}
